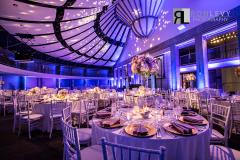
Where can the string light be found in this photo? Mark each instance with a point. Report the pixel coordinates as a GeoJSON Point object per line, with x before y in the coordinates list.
{"type": "Point", "coordinates": [224, 37]}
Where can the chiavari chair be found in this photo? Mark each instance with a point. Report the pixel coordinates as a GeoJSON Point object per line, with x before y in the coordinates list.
{"type": "Point", "coordinates": [219, 123]}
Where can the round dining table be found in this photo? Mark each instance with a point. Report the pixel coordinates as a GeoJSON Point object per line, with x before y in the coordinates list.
{"type": "Point", "coordinates": [44, 108]}
{"type": "Point", "coordinates": [194, 147]}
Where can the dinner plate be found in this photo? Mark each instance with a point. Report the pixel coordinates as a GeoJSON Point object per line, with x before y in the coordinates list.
{"type": "Point", "coordinates": [119, 125]}
{"type": "Point", "coordinates": [130, 128]}
{"type": "Point", "coordinates": [205, 122]}
{"type": "Point", "coordinates": [168, 127]}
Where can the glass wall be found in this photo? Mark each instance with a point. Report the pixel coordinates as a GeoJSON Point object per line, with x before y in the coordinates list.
{"type": "Point", "coordinates": [225, 79]}
{"type": "Point", "coordinates": [187, 55]}
{"type": "Point", "coordinates": [223, 46]}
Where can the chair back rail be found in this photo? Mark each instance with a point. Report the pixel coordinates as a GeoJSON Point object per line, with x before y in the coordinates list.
{"type": "Point", "coordinates": [71, 141]}
{"type": "Point", "coordinates": [220, 116]}
{"type": "Point", "coordinates": [66, 113]}
{"type": "Point", "coordinates": [57, 106]}
{"type": "Point", "coordinates": [114, 148]}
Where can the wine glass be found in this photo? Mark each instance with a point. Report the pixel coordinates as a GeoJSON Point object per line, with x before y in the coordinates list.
{"type": "Point", "coordinates": [177, 111]}
{"type": "Point", "coordinates": [129, 117]}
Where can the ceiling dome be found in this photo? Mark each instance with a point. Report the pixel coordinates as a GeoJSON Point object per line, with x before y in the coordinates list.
{"type": "Point", "coordinates": [141, 15]}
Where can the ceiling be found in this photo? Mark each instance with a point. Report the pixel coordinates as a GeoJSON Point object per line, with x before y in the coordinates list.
{"type": "Point", "coordinates": [93, 32]}
{"type": "Point", "coordinates": [86, 32]}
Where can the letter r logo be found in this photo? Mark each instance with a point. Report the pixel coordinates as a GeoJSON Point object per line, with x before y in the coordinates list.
{"type": "Point", "coordinates": [181, 15]}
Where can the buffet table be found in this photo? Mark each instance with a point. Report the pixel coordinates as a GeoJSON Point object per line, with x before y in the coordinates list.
{"type": "Point", "coordinates": [195, 147]}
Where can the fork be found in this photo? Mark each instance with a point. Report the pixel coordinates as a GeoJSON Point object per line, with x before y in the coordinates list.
{"type": "Point", "coordinates": [159, 134]}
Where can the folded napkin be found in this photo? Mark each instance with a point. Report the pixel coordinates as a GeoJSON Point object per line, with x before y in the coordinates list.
{"type": "Point", "coordinates": [140, 130]}
{"type": "Point", "coordinates": [181, 128]}
{"type": "Point", "coordinates": [193, 119]}
{"type": "Point", "coordinates": [110, 122]}
{"type": "Point", "coordinates": [103, 114]}
{"type": "Point", "coordinates": [188, 113]}
{"type": "Point", "coordinates": [125, 106]}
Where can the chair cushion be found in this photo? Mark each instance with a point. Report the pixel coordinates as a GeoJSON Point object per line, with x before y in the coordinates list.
{"type": "Point", "coordinates": [90, 123]}
{"type": "Point", "coordinates": [223, 153]}
{"type": "Point", "coordinates": [33, 116]}
{"type": "Point", "coordinates": [92, 153]}
{"type": "Point", "coordinates": [205, 111]}
{"type": "Point", "coordinates": [216, 136]}
{"type": "Point", "coordinates": [57, 115]}
{"type": "Point", "coordinates": [23, 113]}
{"type": "Point", "coordinates": [84, 134]}
{"type": "Point", "coordinates": [8, 103]}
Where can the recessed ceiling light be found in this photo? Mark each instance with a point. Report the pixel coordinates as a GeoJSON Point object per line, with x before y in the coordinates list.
{"type": "Point", "coordinates": [181, 27]}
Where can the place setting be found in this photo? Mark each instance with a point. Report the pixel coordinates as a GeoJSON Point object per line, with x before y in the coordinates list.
{"type": "Point", "coordinates": [111, 123]}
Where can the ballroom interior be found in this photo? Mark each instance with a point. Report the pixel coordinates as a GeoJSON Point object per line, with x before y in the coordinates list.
{"type": "Point", "coordinates": [120, 80]}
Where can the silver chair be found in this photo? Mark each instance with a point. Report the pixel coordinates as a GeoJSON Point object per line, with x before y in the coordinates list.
{"type": "Point", "coordinates": [84, 134]}
{"type": "Point", "coordinates": [220, 116]}
{"type": "Point", "coordinates": [56, 114]}
{"type": "Point", "coordinates": [204, 104]}
{"type": "Point", "coordinates": [27, 117]}
{"type": "Point", "coordinates": [72, 145]}
{"type": "Point", "coordinates": [223, 153]}
{"type": "Point", "coordinates": [6, 103]}
{"type": "Point", "coordinates": [235, 117]}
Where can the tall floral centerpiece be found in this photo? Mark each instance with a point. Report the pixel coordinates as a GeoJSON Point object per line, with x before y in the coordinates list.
{"type": "Point", "coordinates": [190, 78]}
{"type": "Point", "coordinates": [34, 91]}
{"type": "Point", "coordinates": [144, 65]}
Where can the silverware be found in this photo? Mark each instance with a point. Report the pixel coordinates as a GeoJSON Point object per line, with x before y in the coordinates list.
{"type": "Point", "coordinates": [159, 134]}
{"type": "Point", "coordinates": [122, 131]}
{"type": "Point", "coordinates": [169, 134]}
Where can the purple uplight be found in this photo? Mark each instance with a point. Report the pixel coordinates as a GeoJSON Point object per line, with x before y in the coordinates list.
{"type": "Point", "coordinates": [230, 62]}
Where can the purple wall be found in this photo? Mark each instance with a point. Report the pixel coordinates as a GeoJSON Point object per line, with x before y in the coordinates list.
{"type": "Point", "coordinates": [31, 82]}
{"type": "Point", "coordinates": [11, 82]}
{"type": "Point", "coordinates": [50, 83]}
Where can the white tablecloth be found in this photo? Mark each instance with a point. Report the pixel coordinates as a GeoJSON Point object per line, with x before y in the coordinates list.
{"type": "Point", "coordinates": [178, 148]}
{"type": "Point", "coordinates": [45, 109]}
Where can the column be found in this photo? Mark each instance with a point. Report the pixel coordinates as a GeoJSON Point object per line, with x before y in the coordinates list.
{"type": "Point", "coordinates": [153, 82]}
{"type": "Point", "coordinates": [201, 62]}
{"type": "Point", "coordinates": [175, 68]}
{"type": "Point", "coordinates": [238, 34]}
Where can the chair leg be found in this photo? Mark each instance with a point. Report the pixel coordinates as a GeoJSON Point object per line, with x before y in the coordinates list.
{"type": "Point", "coordinates": [14, 124]}
{"type": "Point", "coordinates": [51, 128]}
{"type": "Point", "coordinates": [4, 111]}
{"type": "Point", "coordinates": [64, 154]}
{"type": "Point", "coordinates": [79, 120]}
{"type": "Point", "coordinates": [19, 128]}
{"type": "Point", "coordinates": [29, 131]}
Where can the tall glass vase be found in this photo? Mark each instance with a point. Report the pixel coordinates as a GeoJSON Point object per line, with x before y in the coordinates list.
{"type": "Point", "coordinates": [191, 84]}
{"type": "Point", "coordinates": [145, 81]}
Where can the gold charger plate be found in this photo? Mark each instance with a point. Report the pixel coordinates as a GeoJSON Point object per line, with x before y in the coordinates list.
{"type": "Point", "coordinates": [205, 122]}
{"type": "Point", "coordinates": [119, 125]}
{"type": "Point", "coordinates": [151, 130]}
{"type": "Point", "coordinates": [168, 128]}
